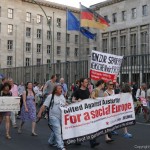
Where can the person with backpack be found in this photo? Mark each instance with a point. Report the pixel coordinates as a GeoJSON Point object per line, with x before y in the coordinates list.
{"type": "Point", "coordinates": [28, 110]}
{"type": "Point", "coordinates": [53, 102]}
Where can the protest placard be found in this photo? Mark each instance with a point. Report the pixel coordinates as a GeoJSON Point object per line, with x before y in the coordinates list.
{"type": "Point", "coordinates": [8, 103]}
{"type": "Point", "coordinates": [104, 66]}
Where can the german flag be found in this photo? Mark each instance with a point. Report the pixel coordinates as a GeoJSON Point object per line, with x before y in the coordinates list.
{"type": "Point", "coordinates": [90, 18]}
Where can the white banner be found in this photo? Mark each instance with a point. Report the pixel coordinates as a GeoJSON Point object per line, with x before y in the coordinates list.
{"type": "Point", "coordinates": [104, 66]}
{"type": "Point", "coordinates": [91, 118]}
{"type": "Point", "coordinates": [9, 103]}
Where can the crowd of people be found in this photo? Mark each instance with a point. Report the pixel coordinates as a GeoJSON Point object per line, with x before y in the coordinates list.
{"type": "Point", "coordinates": [36, 99]}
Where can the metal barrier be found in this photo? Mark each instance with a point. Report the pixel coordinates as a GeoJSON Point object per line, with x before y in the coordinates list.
{"type": "Point", "coordinates": [134, 69]}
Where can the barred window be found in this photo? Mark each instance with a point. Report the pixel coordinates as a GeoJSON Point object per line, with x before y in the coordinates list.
{"type": "Point", "coordinates": [87, 51]}
{"type": "Point", "coordinates": [49, 20]}
{"type": "Point", "coordinates": [133, 44]}
{"type": "Point", "coordinates": [10, 44]}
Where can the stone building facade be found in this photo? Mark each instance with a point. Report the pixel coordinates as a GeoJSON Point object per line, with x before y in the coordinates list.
{"type": "Point", "coordinates": [26, 39]}
{"type": "Point", "coordinates": [127, 35]}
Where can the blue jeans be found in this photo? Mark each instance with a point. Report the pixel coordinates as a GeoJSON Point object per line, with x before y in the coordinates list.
{"type": "Point", "coordinates": [56, 136]}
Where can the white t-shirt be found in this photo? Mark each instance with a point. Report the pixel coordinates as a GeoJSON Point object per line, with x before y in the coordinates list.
{"type": "Point", "coordinates": [55, 109]}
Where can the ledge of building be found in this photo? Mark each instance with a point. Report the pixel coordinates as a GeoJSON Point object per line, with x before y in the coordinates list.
{"type": "Point", "coordinates": [104, 4]}
{"type": "Point", "coordinates": [53, 5]}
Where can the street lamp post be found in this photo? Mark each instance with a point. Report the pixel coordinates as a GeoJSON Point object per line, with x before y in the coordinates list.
{"type": "Point", "coordinates": [48, 22]}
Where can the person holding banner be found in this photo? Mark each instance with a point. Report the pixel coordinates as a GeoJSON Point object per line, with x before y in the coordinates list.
{"type": "Point", "coordinates": [110, 91]}
{"type": "Point", "coordinates": [53, 102]}
{"type": "Point", "coordinates": [126, 89]}
{"type": "Point", "coordinates": [81, 94]}
{"type": "Point", "coordinates": [6, 92]}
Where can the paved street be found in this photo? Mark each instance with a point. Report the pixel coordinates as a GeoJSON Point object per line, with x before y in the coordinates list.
{"type": "Point", "coordinates": [25, 141]}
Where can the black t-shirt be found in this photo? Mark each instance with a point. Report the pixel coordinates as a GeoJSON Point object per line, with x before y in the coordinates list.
{"type": "Point", "coordinates": [82, 94]}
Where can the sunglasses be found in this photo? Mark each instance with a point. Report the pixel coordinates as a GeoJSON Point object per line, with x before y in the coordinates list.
{"type": "Point", "coordinates": [111, 84]}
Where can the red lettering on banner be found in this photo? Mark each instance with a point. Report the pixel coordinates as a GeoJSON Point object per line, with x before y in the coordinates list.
{"type": "Point", "coordinates": [86, 116]}
{"type": "Point", "coordinates": [73, 119]}
{"type": "Point", "coordinates": [122, 107]}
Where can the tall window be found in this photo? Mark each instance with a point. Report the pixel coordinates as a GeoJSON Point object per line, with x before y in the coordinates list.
{"type": "Point", "coordinates": [76, 52]}
{"type": "Point", "coordinates": [10, 29]}
{"type": "Point", "coordinates": [144, 42]}
{"type": "Point", "coordinates": [58, 36]}
{"type": "Point", "coordinates": [58, 50]}
{"type": "Point", "coordinates": [123, 45]}
{"type": "Point", "coordinates": [10, 44]}
{"type": "Point", "coordinates": [9, 60]}
{"type": "Point", "coordinates": [28, 61]}
{"type": "Point", "coordinates": [48, 49]}
{"type": "Point", "coordinates": [87, 51]}
{"type": "Point", "coordinates": [144, 10]}
{"type": "Point", "coordinates": [95, 48]}
{"type": "Point", "coordinates": [28, 47]}
{"type": "Point", "coordinates": [95, 38]}
{"type": "Point", "coordinates": [38, 61]}
{"type": "Point", "coordinates": [10, 13]}
{"type": "Point", "coordinates": [39, 33]}
{"type": "Point", "coordinates": [48, 35]}
{"type": "Point", "coordinates": [58, 22]}
{"type": "Point", "coordinates": [105, 45]}
{"type": "Point", "coordinates": [133, 44]}
{"type": "Point", "coordinates": [76, 39]}
{"type": "Point", "coordinates": [114, 45]}
{"type": "Point", "coordinates": [124, 15]}
{"type": "Point", "coordinates": [114, 17]}
{"type": "Point", "coordinates": [38, 48]}
{"type": "Point", "coordinates": [68, 51]}
{"type": "Point", "coordinates": [38, 18]}
{"type": "Point", "coordinates": [133, 13]}
{"type": "Point", "coordinates": [68, 37]}
{"type": "Point", "coordinates": [28, 32]}
{"type": "Point", "coordinates": [28, 17]}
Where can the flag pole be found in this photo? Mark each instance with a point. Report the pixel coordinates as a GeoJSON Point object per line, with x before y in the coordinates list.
{"type": "Point", "coordinates": [66, 48]}
{"type": "Point", "coordinates": [79, 44]}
